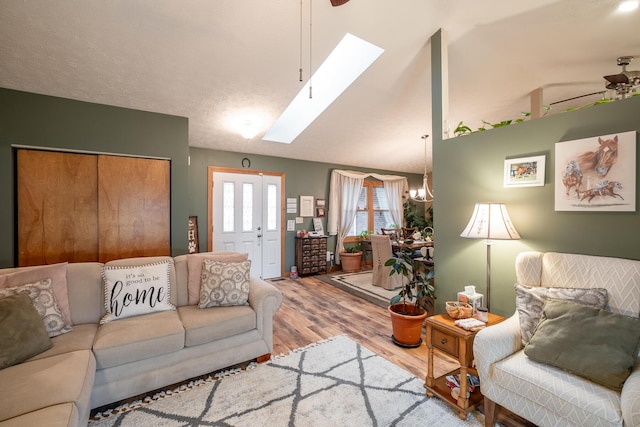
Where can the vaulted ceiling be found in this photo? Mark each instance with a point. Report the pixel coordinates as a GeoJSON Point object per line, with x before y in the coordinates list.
{"type": "Point", "coordinates": [216, 60]}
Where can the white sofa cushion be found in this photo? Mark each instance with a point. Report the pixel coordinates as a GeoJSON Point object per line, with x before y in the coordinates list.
{"type": "Point", "coordinates": [621, 277]}
{"type": "Point", "coordinates": [580, 401]}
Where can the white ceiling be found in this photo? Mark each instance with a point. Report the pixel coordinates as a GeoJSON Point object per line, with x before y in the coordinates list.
{"type": "Point", "coordinates": [210, 60]}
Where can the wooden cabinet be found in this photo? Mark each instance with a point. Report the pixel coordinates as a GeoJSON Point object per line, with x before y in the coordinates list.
{"type": "Point", "coordinates": [311, 255]}
{"type": "Point", "coordinates": [444, 335]}
{"type": "Point", "coordinates": [87, 207]}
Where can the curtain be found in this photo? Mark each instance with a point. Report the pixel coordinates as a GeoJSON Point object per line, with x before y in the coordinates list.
{"type": "Point", "coordinates": [344, 192]}
{"type": "Point", "coordinates": [395, 189]}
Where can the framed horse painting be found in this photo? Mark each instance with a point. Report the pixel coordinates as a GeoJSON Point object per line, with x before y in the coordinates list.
{"type": "Point", "coordinates": [596, 174]}
{"type": "Point", "coordinates": [524, 172]}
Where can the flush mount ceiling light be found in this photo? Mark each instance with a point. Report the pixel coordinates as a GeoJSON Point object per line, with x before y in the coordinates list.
{"type": "Point", "coordinates": [350, 58]}
{"type": "Point", "coordinates": [628, 5]}
{"type": "Point", "coordinates": [247, 124]}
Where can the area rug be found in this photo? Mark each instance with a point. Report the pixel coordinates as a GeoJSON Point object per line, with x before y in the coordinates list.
{"type": "Point", "coordinates": [360, 285]}
{"type": "Point", "coordinates": [334, 383]}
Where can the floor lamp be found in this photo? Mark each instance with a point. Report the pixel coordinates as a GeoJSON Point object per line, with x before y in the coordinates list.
{"type": "Point", "coordinates": [490, 221]}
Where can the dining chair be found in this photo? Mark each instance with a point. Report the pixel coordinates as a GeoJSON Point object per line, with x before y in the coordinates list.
{"type": "Point", "coordinates": [381, 246]}
{"type": "Point", "coordinates": [394, 233]}
{"type": "Point", "coordinates": [407, 232]}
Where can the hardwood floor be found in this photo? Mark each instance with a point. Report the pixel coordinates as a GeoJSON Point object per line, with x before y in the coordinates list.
{"type": "Point", "coordinates": [313, 310]}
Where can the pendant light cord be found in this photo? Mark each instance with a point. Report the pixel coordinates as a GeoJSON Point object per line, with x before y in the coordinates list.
{"type": "Point", "coordinates": [300, 69]}
{"type": "Point", "coordinates": [310, 46]}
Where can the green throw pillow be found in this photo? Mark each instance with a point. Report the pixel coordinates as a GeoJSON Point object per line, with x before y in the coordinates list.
{"type": "Point", "coordinates": [22, 333]}
{"type": "Point", "coordinates": [592, 343]}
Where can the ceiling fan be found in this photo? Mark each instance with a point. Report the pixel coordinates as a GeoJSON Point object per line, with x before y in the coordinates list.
{"type": "Point", "coordinates": [626, 81]}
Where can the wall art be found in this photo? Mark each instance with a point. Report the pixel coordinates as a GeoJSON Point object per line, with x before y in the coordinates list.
{"type": "Point", "coordinates": [596, 174]}
{"type": "Point", "coordinates": [306, 206]}
{"type": "Point", "coordinates": [524, 172]}
{"type": "Point", "coordinates": [194, 246]}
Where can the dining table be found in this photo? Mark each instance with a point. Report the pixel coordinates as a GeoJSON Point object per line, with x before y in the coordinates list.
{"type": "Point", "coordinates": [411, 244]}
{"type": "Point", "coordinates": [414, 245]}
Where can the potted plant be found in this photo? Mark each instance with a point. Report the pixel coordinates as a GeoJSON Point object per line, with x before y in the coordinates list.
{"type": "Point", "coordinates": [351, 257]}
{"type": "Point", "coordinates": [410, 306]}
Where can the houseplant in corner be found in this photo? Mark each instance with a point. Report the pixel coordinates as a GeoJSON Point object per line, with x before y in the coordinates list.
{"type": "Point", "coordinates": [408, 308]}
{"type": "Point", "coordinates": [351, 257]}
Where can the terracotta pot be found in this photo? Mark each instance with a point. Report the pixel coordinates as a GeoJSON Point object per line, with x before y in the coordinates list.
{"type": "Point", "coordinates": [350, 262]}
{"type": "Point", "coordinates": [407, 329]}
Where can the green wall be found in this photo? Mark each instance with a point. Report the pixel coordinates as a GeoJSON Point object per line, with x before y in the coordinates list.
{"type": "Point", "coordinates": [28, 119]}
{"type": "Point", "coordinates": [301, 178]}
{"type": "Point", "coordinates": [469, 169]}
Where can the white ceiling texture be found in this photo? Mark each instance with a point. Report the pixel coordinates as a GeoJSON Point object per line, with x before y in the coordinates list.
{"type": "Point", "coordinates": [214, 61]}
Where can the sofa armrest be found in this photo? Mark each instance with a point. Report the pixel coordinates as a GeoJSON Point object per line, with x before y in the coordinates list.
{"type": "Point", "coordinates": [495, 343]}
{"type": "Point", "coordinates": [265, 299]}
{"type": "Point", "coordinates": [630, 398]}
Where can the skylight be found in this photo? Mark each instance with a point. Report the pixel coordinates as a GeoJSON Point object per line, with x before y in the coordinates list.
{"type": "Point", "coordinates": [350, 58]}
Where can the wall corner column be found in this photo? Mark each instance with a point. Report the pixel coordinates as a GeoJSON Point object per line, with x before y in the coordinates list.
{"type": "Point", "coordinates": [440, 87]}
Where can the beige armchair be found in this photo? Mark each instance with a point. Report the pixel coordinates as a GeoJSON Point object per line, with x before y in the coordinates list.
{"type": "Point", "coordinates": [381, 248]}
{"type": "Point", "coordinates": [543, 394]}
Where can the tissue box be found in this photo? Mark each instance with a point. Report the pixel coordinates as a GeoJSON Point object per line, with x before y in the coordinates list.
{"type": "Point", "coordinates": [475, 300]}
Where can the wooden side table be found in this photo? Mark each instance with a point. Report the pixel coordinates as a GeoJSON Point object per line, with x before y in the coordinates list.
{"type": "Point", "coordinates": [443, 334]}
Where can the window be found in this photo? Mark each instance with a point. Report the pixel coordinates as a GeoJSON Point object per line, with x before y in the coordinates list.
{"type": "Point", "coordinates": [228, 211]}
{"type": "Point", "coordinates": [373, 209]}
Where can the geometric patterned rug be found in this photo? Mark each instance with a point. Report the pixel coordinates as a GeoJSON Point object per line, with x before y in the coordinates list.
{"type": "Point", "coordinates": [333, 383]}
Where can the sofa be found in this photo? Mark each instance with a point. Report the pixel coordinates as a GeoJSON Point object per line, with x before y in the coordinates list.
{"type": "Point", "coordinates": [104, 360]}
{"type": "Point", "coordinates": [548, 391]}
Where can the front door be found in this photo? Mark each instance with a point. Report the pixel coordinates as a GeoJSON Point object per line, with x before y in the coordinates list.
{"type": "Point", "coordinates": [246, 217]}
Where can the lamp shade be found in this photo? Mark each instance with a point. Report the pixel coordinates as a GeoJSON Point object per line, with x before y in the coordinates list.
{"type": "Point", "coordinates": [490, 221]}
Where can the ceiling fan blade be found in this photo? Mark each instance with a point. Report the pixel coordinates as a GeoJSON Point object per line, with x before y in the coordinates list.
{"type": "Point", "coordinates": [617, 79]}
{"type": "Point", "coordinates": [338, 2]}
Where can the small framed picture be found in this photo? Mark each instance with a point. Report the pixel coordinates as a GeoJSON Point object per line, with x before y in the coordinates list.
{"type": "Point", "coordinates": [306, 205]}
{"type": "Point", "coordinates": [524, 172]}
{"type": "Point", "coordinates": [320, 212]}
{"type": "Point", "coordinates": [320, 202]}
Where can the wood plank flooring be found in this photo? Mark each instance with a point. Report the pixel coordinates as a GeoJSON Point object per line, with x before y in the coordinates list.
{"type": "Point", "coordinates": [313, 310]}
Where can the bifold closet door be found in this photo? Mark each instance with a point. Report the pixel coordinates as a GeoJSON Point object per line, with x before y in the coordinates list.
{"type": "Point", "coordinates": [133, 207]}
{"type": "Point", "coordinates": [57, 207]}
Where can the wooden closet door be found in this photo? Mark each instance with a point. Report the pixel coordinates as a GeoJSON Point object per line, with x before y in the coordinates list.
{"type": "Point", "coordinates": [57, 207]}
{"type": "Point", "coordinates": [134, 207]}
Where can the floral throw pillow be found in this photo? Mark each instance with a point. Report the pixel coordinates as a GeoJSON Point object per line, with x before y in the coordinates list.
{"type": "Point", "coordinates": [45, 304]}
{"type": "Point", "coordinates": [224, 283]}
{"type": "Point", "coordinates": [530, 301]}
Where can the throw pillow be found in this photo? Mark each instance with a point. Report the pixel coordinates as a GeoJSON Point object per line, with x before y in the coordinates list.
{"type": "Point", "coordinates": [58, 275]}
{"type": "Point", "coordinates": [194, 265]}
{"type": "Point", "coordinates": [531, 299]}
{"type": "Point", "coordinates": [22, 333]}
{"type": "Point", "coordinates": [595, 344]}
{"type": "Point", "coordinates": [224, 283]}
{"type": "Point", "coordinates": [45, 304]}
{"type": "Point", "coordinates": [135, 290]}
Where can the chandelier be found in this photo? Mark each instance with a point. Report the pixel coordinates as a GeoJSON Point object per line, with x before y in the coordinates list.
{"type": "Point", "coordinates": [423, 195]}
